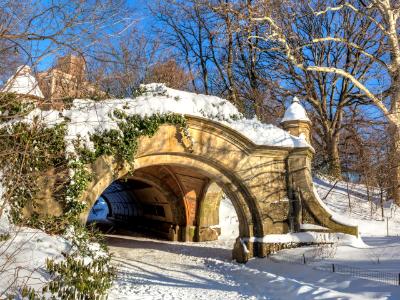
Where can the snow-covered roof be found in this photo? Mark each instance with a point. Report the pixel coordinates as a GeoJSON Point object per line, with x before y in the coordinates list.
{"type": "Point", "coordinates": [295, 112]}
{"type": "Point", "coordinates": [88, 116]}
{"type": "Point", "coordinates": [23, 83]}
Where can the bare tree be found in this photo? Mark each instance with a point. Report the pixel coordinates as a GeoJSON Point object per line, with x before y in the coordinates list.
{"type": "Point", "coordinates": [294, 54]}
{"type": "Point", "coordinates": [184, 29]}
{"type": "Point", "coordinates": [35, 32]}
{"type": "Point", "coordinates": [170, 73]}
{"type": "Point", "coordinates": [380, 23]}
{"type": "Point", "coordinates": [205, 37]}
{"type": "Point", "coordinates": [120, 67]}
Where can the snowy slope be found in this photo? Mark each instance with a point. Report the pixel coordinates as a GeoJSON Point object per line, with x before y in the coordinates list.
{"type": "Point", "coordinates": [336, 198]}
{"type": "Point", "coordinates": [351, 202]}
{"type": "Point", "coordinates": [23, 256]}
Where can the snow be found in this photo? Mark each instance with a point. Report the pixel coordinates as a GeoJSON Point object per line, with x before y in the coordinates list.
{"type": "Point", "coordinates": [309, 237]}
{"type": "Point", "coordinates": [155, 269]}
{"type": "Point", "coordinates": [367, 215]}
{"type": "Point", "coordinates": [312, 227]}
{"type": "Point", "coordinates": [228, 220]}
{"type": "Point", "coordinates": [23, 83]}
{"type": "Point", "coordinates": [87, 116]}
{"type": "Point", "coordinates": [295, 112]}
{"type": "Point", "coordinates": [335, 217]}
{"type": "Point", "coordinates": [23, 256]}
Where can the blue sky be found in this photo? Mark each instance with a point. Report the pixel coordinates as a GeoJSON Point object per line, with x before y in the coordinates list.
{"type": "Point", "coordinates": [139, 13]}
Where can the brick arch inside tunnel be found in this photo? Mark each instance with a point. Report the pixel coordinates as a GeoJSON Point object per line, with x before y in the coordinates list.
{"type": "Point", "coordinates": [173, 202]}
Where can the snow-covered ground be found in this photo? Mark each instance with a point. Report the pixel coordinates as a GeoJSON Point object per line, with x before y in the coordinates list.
{"type": "Point", "coordinates": [154, 269]}
{"type": "Point", "coordinates": [151, 269]}
{"type": "Point", "coordinates": [351, 202]}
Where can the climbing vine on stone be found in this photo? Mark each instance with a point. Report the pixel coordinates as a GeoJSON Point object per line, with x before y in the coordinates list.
{"type": "Point", "coordinates": [29, 151]}
{"type": "Point", "coordinates": [123, 142]}
{"type": "Point", "coordinates": [37, 158]}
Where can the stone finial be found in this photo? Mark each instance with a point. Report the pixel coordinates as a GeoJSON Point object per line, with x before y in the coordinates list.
{"type": "Point", "coordinates": [295, 112]}
{"type": "Point", "coordinates": [23, 83]}
{"type": "Point", "coordinates": [296, 121]}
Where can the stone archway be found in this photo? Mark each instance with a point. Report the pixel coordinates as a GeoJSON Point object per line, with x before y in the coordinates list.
{"type": "Point", "coordinates": [264, 183]}
{"type": "Point", "coordinates": [270, 187]}
{"type": "Point", "coordinates": [237, 193]}
{"type": "Point", "coordinates": [184, 194]}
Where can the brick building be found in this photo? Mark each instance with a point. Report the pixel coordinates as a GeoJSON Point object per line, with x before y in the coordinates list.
{"type": "Point", "coordinates": [68, 79]}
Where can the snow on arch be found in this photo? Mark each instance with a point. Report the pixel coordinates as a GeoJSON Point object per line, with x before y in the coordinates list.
{"type": "Point", "coordinates": [88, 116]}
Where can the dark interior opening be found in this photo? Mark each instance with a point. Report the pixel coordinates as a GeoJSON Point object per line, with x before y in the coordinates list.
{"type": "Point", "coordinates": [128, 206]}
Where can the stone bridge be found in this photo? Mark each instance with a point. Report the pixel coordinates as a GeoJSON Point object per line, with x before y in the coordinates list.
{"type": "Point", "coordinates": [176, 188]}
{"type": "Point", "coordinates": [177, 184]}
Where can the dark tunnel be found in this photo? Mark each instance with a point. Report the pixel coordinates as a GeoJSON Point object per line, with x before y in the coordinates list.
{"type": "Point", "coordinates": [133, 205]}
{"type": "Point", "coordinates": [171, 202]}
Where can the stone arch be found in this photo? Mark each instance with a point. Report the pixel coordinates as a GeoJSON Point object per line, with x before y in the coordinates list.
{"type": "Point", "coordinates": [249, 220]}
{"type": "Point", "coordinates": [264, 183]}
{"type": "Point", "coordinates": [208, 212]}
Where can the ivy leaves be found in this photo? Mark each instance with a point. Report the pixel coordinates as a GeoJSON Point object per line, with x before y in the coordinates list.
{"type": "Point", "coordinates": [123, 143]}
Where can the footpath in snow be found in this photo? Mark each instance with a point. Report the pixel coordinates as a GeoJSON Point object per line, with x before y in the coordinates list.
{"type": "Point", "coordinates": [154, 269]}
{"type": "Point", "coordinates": [151, 269]}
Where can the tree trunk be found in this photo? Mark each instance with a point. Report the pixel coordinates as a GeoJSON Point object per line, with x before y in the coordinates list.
{"type": "Point", "coordinates": [395, 162]}
{"type": "Point", "coordinates": [333, 157]}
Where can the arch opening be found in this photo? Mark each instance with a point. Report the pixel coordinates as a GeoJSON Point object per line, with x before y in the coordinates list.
{"type": "Point", "coordinates": [172, 202]}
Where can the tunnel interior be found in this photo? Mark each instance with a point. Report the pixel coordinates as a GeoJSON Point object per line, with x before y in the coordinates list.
{"type": "Point", "coordinates": [169, 202]}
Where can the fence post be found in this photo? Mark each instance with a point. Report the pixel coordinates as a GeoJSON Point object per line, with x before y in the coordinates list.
{"type": "Point", "coordinates": [333, 268]}
{"type": "Point", "coordinates": [399, 279]}
{"type": "Point", "coordinates": [304, 259]}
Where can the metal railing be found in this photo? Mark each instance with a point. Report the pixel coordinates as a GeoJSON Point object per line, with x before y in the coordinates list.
{"type": "Point", "coordinates": [385, 278]}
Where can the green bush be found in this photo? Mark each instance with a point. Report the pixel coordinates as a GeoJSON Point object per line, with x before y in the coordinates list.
{"type": "Point", "coordinates": [13, 105]}
{"type": "Point", "coordinates": [86, 272]}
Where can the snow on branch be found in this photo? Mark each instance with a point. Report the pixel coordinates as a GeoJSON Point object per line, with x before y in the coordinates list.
{"type": "Point", "coordinates": [278, 36]}
{"type": "Point", "coordinates": [353, 8]}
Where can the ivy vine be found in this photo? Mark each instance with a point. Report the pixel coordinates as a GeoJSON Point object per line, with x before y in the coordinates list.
{"type": "Point", "coordinates": [36, 150]}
